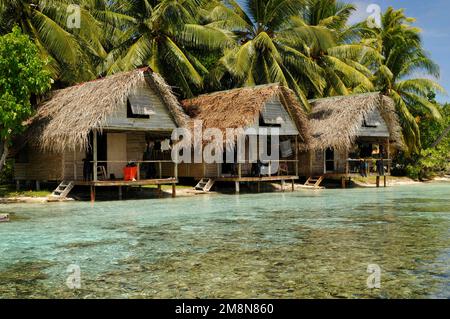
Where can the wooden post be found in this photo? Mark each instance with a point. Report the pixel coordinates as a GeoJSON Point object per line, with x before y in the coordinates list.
{"type": "Point", "coordinates": [38, 186]}
{"type": "Point", "coordinates": [237, 187]}
{"type": "Point", "coordinates": [389, 155]}
{"type": "Point", "coordinates": [282, 185]}
{"type": "Point", "coordinates": [240, 170]}
{"type": "Point", "coordinates": [296, 157]}
{"type": "Point", "coordinates": [176, 171]}
{"type": "Point", "coordinates": [120, 193]}
{"type": "Point", "coordinates": [160, 170]}
{"type": "Point", "coordinates": [92, 193]}
{"type": "Point", "coordinates": [174, 190]}
{"type": "Point", "coordinates": [385, 181]}
{"type": "Point", "coordinates": [159, 191]}
{"type": "Point", "coordinates": [343, 182]}
{"type": "Point", "coordinates": [75, 173]}
{"type": "Point", "coordinates": [259, 187]}
{"type": "Point", "coordinates": [293, 185]}
{"type": "Point", "coordinates": [95, 156]}
{"type": "Point", "coordinates": [378, 181]}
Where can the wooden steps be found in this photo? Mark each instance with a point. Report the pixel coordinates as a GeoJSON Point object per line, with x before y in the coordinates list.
{"type": "Point", "coordinates": [63, 190]}
{"type": "Point", "coordinates": [205, 184]}
{"type": "Point", "coordinates": [315, 181]}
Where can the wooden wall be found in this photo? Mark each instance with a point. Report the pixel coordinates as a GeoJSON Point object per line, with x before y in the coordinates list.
{"type": "Point", "coordinates": [162, 120]}
{"type": "Point", "coordinates": [41, 166]}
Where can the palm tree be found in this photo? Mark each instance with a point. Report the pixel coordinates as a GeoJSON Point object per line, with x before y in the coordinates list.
{"type": "Point", "coordinates": [161, 34]}
{"type": "Point", "coordinates": [73, 52]}
{"type": "Point", "coordinates": [404, 57]}
{"type": "Point", "coordinates": [293, 43]}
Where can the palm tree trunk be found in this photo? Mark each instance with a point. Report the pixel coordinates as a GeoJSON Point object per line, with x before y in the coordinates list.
{"type": "Point", "coordinates": [4, 153]}
{"type": "Point", "coordinates": [441, 138]}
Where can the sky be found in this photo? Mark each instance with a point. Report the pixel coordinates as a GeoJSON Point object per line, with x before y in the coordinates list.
{"type": "Point", "coordinates": [433, 17]}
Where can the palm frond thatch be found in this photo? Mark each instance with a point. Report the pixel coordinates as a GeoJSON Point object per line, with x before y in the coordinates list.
{"type": "Point", "coordinates": [238, 108]}
{"type": "Point", "coordinates": [336, 121]}
{"type": "Point", "coordinates": [67, 118]}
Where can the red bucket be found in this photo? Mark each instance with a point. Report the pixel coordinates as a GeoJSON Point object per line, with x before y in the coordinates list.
{"type": "Point", "coordinates": [130, 173]}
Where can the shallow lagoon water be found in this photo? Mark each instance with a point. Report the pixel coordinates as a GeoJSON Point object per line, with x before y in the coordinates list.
{"type": "Point", "coordinates": [308, 244]}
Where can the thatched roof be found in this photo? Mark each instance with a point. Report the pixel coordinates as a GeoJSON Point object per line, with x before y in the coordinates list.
{"type": "Point", "coordinates": [336, 121]}
{"type": "Point", "coordinates": [238, 108]}
{"type": "Point", "coordinates": [66, 119]}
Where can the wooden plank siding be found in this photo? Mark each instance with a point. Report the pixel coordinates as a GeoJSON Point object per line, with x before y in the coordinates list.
{"type": "Point", "coordinates": [161, 121]}
{"type": "Point", "coordinates": [41, 166]}
{"type": "Point", "coordinates": [380, 129]}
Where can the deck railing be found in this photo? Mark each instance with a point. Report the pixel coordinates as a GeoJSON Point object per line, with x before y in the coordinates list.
{"type": "Point", "coordinates": [283, 168]}
{"type": "Point", "coordinates": [160, 167]}
{"type": "Point", "coordinates": [353, 166]}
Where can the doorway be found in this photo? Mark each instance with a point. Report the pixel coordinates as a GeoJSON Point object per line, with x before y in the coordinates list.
{"type": "Point", "coordinates": [117, 152]}
{"type": "Point", "coordinates": [330, 166]}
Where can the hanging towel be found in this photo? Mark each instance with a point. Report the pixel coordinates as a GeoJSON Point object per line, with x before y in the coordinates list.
{"type": "Point", "coordinates": [286, 149]}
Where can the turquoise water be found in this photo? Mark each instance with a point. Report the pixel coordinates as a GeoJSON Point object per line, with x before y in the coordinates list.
{"type": "Point", "coordinates": [293, 245]}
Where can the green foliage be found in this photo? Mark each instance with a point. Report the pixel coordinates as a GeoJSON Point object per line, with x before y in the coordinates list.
{"type": "Point", "coordinates": [398, 73]}
{"type": "Point", "coordinates": [300, 44]}
{"type": "Point", "coordinates": [73, 51]}
{"type": "Point", "coordinates": [22, 74]}
{"type": "Point", "coordinates": [433, 159]}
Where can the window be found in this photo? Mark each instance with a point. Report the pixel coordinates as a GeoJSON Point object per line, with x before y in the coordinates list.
{"type": "Point", "coordinates": [22, 156]}
{"type": "Point", "coordinates": [372, 120]}
{"type": "Point", "coordinates": [137, 110]}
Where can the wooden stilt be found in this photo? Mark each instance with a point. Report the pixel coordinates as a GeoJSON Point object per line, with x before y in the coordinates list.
{"type": "Point", "coordinates": [159, 191]}
{"type": "Point", "coordinates": [259, 187]}
{"type": "Point", "coordinates": [120, 193]}
{"type": "Point", "coordinates": [237, 188]}
{"type": "Point", "coordinates": [174, 190]}
{"type": "Point", "coordinates": [92, 194]}
{"type": "Point", "coordinates": [385, 181]}
{"type": "Point", "coordinates": [282, 185]}
{"type": "Point", "coordinates": [378, 181]}
{"type": "Point", "coordinates": [343, 183]}
{"type": "Point", "coordinates": [293, 185]}
{"type": "Point", "coordinates": [38, 186]}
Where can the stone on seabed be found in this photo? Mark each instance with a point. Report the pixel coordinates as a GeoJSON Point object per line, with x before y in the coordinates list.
{"type": "Point", "coordinates": [4, 218]}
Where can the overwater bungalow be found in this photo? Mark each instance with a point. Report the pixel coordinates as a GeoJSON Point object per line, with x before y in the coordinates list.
{"type": "Point", "coordinates": [352, 135]}
{"type": "Point", "coordinates": [257, 111]}
{"type": "Point", "coordinates": [109, 132]}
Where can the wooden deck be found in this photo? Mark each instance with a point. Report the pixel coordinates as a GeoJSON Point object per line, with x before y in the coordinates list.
{"type": "Point", "coordinates": [143, 182]}
{"type": "Point", "coordinates": [121, 183]}
{"type": "Point", "coordinates": [244, 179]}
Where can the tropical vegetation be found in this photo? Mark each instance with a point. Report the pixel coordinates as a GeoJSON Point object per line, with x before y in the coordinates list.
{"type": "Point", "coordinates": [201, 46]}
{"type": "Point", "coordinates": [23, 75]}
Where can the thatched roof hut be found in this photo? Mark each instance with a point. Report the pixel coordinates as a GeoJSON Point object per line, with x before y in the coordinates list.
{"type": "Point", "coordinates": [238, 108]}
{"type": "Point", "coordinates": [66, 119]}
{"type": "Point", "coordinates": [336, 122]}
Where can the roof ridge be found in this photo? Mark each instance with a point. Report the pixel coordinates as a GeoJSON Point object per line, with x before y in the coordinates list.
{"type": "Point", "coordinates": [344, 96]}
{"type": "Point", "coordinates": [235, 89]}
